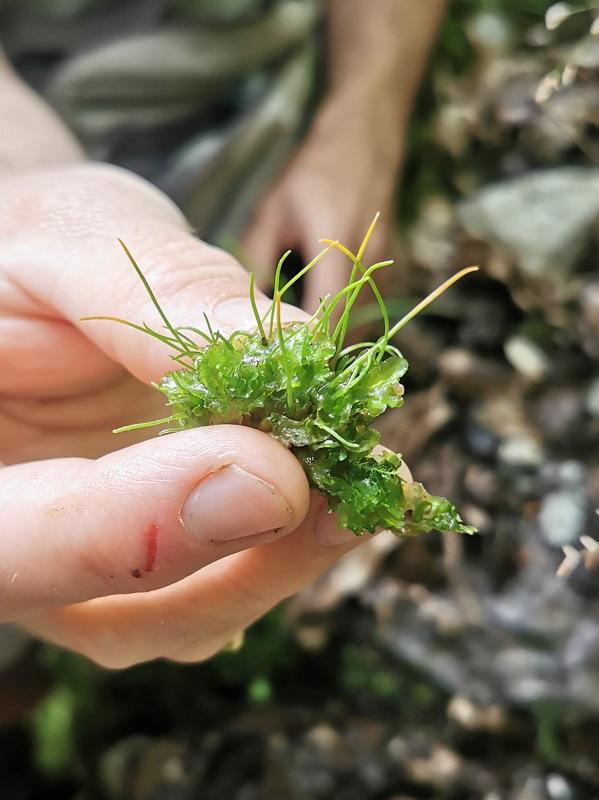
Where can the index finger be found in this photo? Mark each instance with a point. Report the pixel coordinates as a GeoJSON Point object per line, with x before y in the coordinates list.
{"type": "Point", "coordinates": [61, 249]}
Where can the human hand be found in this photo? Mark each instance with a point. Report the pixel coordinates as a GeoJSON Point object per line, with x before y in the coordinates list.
{"type": "Point", "coordinates": [343, 174]}
{"type": "Point", "coordinates": [168, 547]}
{"type": "Point", "coordinates": [346, 170]}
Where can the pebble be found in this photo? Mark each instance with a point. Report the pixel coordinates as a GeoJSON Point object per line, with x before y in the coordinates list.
{"type": "Point", "coordinates": [562, 516]}
{"type": "Point", "coordinates": [589, 301]}
{"type": "Point", "coordinates": [482, 484]}
{"type": "Point", "coordinates": [563, 474]}
{"type": "Point", "coordinates": [481, 442]}
{"type": "Point", "coordinates": [527, 358]}
{"type": "Point", "coordinates": [473, 515]}
{"type": "Point", "coordinates": [545, 217]}
{"type": "Point", "coordinates": [520, 453]}
{"type": "Point", "coordinates": [530, 676]}
{"type": "Point", "coordinates": [592, 398]}
{"type": "Point", "coordinates": [331, 749]}
{"type": "Point", "coordinates": [442, 767]}
{"type": "Point", "coordinates": [489, 31]}
{"type": "Point", "coordinates": [532, 789]}
{"type": "Point", "coordinates": [470, 375]}
{"type": "Point", "coordinates": [474, 717]}
{"type": "Point", "coordinates": [560, 413]}
{"type": "Point", "coordinates": [486, 319]}
{"type": "Point", "coordinates": [558, 787]}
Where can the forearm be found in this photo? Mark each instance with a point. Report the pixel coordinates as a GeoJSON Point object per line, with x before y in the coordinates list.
{"type": "Point", "coordinates": [377, 54]}
{"type": "Point", "coordinates": [31, 134]}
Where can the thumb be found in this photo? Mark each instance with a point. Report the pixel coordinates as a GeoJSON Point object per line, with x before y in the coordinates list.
{"type": "Point", "coordinates": [61, 251]}
{"type": "Point", "coordinates": [142, 517]}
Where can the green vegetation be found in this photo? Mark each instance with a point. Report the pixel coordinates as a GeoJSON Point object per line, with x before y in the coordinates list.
{"type": "Point", "coordinates": [318, 396]}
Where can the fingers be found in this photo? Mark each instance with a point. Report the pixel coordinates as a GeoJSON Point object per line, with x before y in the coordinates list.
{"type": "Point", "coordinates": [290, 218]}
{"type": "Point", "coordinates": [326, 281]}
{"type": "Point", "coordinates": [142, 517]}
{"type": "Point", "coordinates": [266, 239]}
{"type": "Point", "coordinates": [196, 617]}
{"type": "Point", "coordinates": [32, 134]}
{"type": "Point", "coordinates": [60, 250]}
{"type": "Point", "coordinates": [193, 619]}
{"type": "Point", "coordinates": [333, 278]}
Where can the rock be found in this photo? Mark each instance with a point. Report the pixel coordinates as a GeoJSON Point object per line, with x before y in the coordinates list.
{"type": "Point", "coordinates": [588, 322]}
{"type": "Point", "coordinates": [486, 316]}
{"type": "Point", "coordinates": [408, 429]}
{"type": "Point", "coordinates": [422, 347]}
{"type": "Point", "coordinates": [506, 415]}
{"type": "Point", "coordinates": [474, 717]}
{"type": "Point", "coordinates": [332, 749]}
{"type": "Point", "coordinates": [527, 358]}
{"type": "Point", "coordinates": [533, 789]}
{"type": "Point", "coordinates": [347, 578]}
{"type": "Point", "coordinates": [558, 788]}
{"type": "Point", "coordinates": [585, 54]}
{"type": "Point", "coordinates": [582, 648]}
{"type": "Point", "coordinates": [531, 677]}
{"type": "Point", "coordinates": [592, 398]}
{"type": "Point", "coordinates": [489, 32]}
{"type": "Point", "coordinates": [473, 515]}
{"type": "Point", "coordinates": [520, 453]}
{"type": "Point", "coordinates": [564, 118]}
{"type": "Point", "coordinates": [563, 474]}
{"type": "Point", "coordinates": [480, 441]}
{"type": "Point", "coordinates": [580, 567]}
{"type": "Point", "coordinates": [432, 237]}
{"type": "Point", "coordinates": [139, 767]}
{"type": "Point", "coordinates": [561, 413]}
{"type": "Point", "coordinates": [482, 484]}
{"type": "Point", "coordinates": [581, 657]}
{"type": "Point", "coordinates": [589, 303]}
{"type": "Point", "coordinates": [551, 610]}
{"type": "Point", "coordinates": [313, 638]}
{"type": "Point", "coordinates": [441, 768]}
{"type": "Point", "coordinates": [544, 218]}
{"type": "Point", "coordinates": [470, 375]}
{"type": "Point", "coordinates": [562, 516]}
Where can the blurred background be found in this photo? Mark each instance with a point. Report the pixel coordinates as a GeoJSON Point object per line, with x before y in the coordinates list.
{"type": "Point", "coordinates": [439, 667]}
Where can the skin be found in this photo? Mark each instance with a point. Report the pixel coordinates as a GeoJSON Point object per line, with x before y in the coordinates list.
{"type": "Point", "coordinates": [348, 166]}
{"type": "Point", "coordinates": [100, 552]}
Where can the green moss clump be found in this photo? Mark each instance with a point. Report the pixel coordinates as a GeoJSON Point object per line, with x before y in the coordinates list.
{"type": "Point", "coordinates": [301, 385]}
